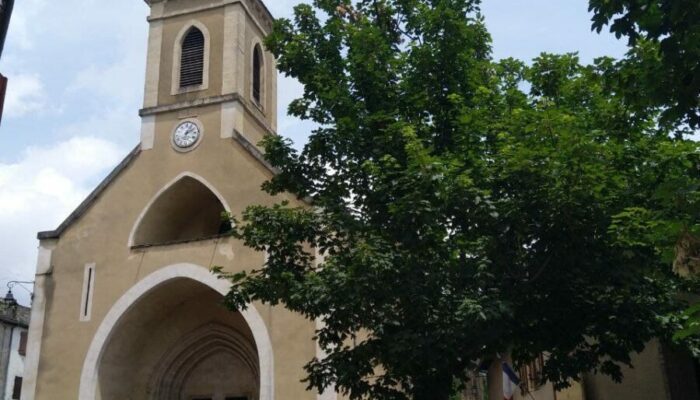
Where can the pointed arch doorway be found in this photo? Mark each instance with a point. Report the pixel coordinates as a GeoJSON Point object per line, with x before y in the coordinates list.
{"type": "Point", "coordinates": [169, 337]}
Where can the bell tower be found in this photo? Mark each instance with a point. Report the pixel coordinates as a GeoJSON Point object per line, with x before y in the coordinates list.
{"type": "Point", "coordinates": [208, 76]}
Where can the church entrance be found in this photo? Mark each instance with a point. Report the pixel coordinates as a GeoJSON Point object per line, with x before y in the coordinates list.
{"type": "Point", "coordinates": [179, 342]}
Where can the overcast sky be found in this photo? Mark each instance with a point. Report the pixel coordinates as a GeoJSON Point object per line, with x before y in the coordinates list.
{"type": "Point", "coordinates": [76, 70]}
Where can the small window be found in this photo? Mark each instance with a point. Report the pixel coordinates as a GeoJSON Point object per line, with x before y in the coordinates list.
{"type": "Point", "coordinates": [88, 290]}
{"type": "Point", "coordinates": [17, 388]}
{"type": "Point", "coordinates": [257, 74]}
{"type": "Point", "coordinates": [22, 344]}
{"type": "Point", "coordinates": [192, 60]}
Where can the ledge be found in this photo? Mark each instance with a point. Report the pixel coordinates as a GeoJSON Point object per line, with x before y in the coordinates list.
{"type": "Point", "coordinates": [210, 101]}
{"type": "Point", "coordinates": [176, 242]}
{"type": "Point", "coordinates": [258, 5]}
{"type": "Point", "coordinates": [254, 151]}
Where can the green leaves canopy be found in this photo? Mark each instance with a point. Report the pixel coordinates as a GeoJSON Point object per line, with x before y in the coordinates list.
{"type": "Point", "coordinates": [464, 207]}
{"type": "Point", "coordinates": [664, 61]}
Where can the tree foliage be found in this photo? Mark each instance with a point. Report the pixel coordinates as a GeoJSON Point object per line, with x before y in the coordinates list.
{"type": "Point", "coordinates": [665, 40]}
{"type": "Point", "coordinates": [464, 207]}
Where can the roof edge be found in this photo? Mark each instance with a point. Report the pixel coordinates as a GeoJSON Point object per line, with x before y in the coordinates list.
{"type": "Point", "coordinates": [260, 157]}
{"type": "Point", "coordinates": [267, 10]}
{"type": "Point", "coordinates": [92, 197]}
{"type": "Point", "coordinates": [254, 151]}
{"type": "Point", "coordinates": [14, 322]}
{"type": "Point", "coordinates": [249, 147]}
{"type": "Point", "coordinates": [261, 2]}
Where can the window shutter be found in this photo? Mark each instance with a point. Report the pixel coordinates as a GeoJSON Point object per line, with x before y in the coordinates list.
{"type": "Point", "coordinates": [192, 61]}
{"type": "Point", "coordinates": [22, 344]}
{"type": "Point", "coordinates": [17, 389]}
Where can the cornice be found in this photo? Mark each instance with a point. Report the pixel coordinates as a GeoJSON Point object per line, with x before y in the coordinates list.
{"type": "Point", "coordinates": [209, 101]}
{"type": "Point", "coordinates": [255, 8]}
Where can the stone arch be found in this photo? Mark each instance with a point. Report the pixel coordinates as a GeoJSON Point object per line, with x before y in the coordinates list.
{"type": "Point", "coordinates": [89, 380]}
{"type": "Point", "coordinates": [175, 366]}
{"type": "Point", "coordinates": [206, 228]}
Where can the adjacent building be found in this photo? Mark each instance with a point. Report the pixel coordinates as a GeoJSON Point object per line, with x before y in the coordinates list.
{"type": "Point", "coordinates": [14, 324]}
{"type": "Point", "coordinates": [660, 373]}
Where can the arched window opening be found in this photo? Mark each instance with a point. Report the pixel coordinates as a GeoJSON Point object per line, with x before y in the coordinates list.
{"type": "Point", "coordinates": [186, 211]}
{"type": "Point", "coordinates": [192, 60]}
{"type": "Point", "coordinates": [257, 74]}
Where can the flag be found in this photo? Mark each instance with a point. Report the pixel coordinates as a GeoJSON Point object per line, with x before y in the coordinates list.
{"type": "Point", "coordinates": [510, 382]}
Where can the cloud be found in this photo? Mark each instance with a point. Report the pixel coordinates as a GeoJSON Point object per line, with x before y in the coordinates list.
{"type": "Point", "coordinates": [117, 78]}
{"type": "Point", "coordinates": [117, 82]}
{"type": "Point", "coordinates": [25, 95]}
{"type": "Point", "coordinates": [118, 124]}
{"type": "Point", "coordinates": [22, 28]}
{"type": "Point", "coordinates": [40, 190]}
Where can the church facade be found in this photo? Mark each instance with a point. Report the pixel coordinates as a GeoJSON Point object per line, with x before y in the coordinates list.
{"type": "Point", "coordinates": [125, 305]}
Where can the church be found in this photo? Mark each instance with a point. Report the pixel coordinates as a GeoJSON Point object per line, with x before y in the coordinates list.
{"type": "Point", "coordinates": [125, 306]}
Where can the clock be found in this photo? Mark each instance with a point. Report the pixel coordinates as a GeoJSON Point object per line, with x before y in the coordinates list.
{"type": "Point", "coordinates": [186, 135]}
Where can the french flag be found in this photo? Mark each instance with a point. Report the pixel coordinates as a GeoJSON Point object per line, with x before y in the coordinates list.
{"type": "Point", "coordinates": [510, 382]}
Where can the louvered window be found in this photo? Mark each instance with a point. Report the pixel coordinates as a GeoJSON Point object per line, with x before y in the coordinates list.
{"type": "Point", "coordinates": [257, 74]}
{"type": "Point", "coordinates": [192, 62]}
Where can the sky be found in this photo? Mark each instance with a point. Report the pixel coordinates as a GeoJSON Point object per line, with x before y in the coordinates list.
{"type": "Point", "coordinates": [76, 71]}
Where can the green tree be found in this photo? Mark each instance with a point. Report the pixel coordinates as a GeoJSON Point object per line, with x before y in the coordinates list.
{"type": "Point", "coordinates": [665, 56]}
{"type": "Point", "coordinates": [662, 69]}
{"type": "Point", "coordinates": [460, 214]}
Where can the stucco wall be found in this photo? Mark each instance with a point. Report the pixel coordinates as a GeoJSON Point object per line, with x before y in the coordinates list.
{"type": "Point", "coordinates": [101, 237]}
{"type": "Point", "coordinates": [643, 382]}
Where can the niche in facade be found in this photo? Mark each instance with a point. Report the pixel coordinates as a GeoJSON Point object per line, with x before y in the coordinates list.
{"type": "Point", "coordinates": [186, 211]}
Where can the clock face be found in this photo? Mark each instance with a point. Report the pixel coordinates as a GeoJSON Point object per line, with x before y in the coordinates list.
{"type": "Point", "coordinates": [186, 135]}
